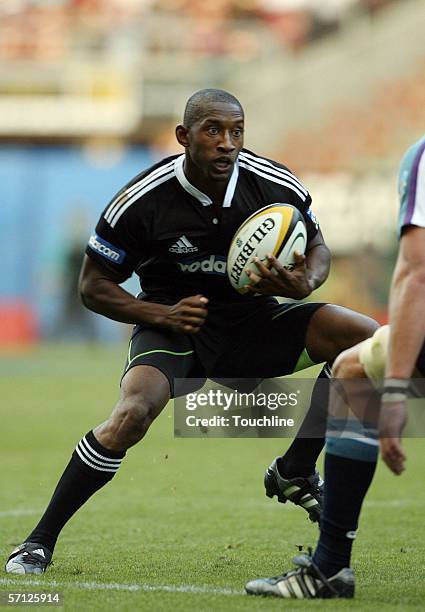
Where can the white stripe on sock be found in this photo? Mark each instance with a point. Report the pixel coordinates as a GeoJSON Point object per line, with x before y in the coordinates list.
{"type": "Point", "coordinates": [90, 464]}
{"type": "Point", "coordinates": [94, 461]}
{"type": "Point", "coordinates": [92, 452]}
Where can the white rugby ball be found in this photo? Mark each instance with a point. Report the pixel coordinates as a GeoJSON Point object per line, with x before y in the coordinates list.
{"type": "Point", "coordinates": [278, 229]}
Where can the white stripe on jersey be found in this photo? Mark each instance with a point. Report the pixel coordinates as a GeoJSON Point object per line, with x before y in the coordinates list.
{"type": "Point", "coordinates": [267, 166]}
{"type": "Point", "coordinates": [418, 217]}
{"type": "Point", "coordinates": [123, 197]}
{"type": "Point", "coordinates": [162, 179]}
{"type": "Point", "coordinates": [273, 179]}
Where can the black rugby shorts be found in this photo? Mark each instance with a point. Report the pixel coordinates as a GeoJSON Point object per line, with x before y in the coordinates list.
{"type": "Point", "coordinates": [255, 340]}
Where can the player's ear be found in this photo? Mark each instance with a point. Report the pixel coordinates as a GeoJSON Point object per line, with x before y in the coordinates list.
{"type": "Point", "coordinates": [182, 135]}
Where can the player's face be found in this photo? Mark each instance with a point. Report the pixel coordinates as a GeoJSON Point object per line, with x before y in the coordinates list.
{"type": "Point", "coordinates": [214, 143]}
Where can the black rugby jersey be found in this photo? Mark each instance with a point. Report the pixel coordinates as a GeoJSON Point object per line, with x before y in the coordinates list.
{"type": "Point", "coordinates": [168, 232]}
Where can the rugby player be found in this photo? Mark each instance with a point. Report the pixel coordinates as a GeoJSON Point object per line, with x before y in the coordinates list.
{"type": "Point", "coordinates": [388, 361]}
{"type": "Point", "coordinates": [172, 225]}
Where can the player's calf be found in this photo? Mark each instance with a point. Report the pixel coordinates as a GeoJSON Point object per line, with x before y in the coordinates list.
{"type": "Point", "coordinates": [347, 365]}
{"type": "Point", "coordinates": [128, 423]}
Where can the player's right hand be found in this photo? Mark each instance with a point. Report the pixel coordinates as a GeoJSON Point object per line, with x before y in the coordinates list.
{"type": "Point", "coordinates": [392, 421]}
{"type": "Point", "coordinates": [393, 454]}
{"type": "Point", "coordinates": [186, 316]}
{"type": "Point", "coordinates": [292, 283]}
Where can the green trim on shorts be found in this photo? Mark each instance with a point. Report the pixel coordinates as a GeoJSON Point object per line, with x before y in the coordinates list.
{"type": "Point", "coordinates": [304, 361]}
{"type": "Point", "coordinates": [131, 359]}
{"type": "Point", "coordinates": [290, 307]}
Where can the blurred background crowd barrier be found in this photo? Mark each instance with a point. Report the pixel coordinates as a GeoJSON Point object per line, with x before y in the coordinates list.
{"type": "Point", "coordinates": [90, 92]}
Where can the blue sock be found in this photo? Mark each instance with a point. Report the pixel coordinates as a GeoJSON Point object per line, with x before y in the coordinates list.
{"type": "Point", "coordinates": [347, 480]}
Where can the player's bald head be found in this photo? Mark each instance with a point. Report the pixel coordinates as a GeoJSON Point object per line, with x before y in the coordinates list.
{"type": "Point", "coordinates": [203, 101]}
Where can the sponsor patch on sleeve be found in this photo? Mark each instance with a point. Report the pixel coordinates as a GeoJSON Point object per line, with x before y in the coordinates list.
{"type": "Point", "coordinates": [313, 217]}
{"type": "Point", "coordinates": [106, 249]}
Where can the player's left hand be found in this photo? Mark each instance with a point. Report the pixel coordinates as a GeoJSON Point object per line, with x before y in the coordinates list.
{"type": "Point", "coordinates": [392, 420]}
{"type": "Point", "coordinates": [280, 281]}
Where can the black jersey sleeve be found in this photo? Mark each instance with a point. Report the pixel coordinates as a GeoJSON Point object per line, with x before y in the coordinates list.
{"type": "Point", "coordinates": [119, 248]}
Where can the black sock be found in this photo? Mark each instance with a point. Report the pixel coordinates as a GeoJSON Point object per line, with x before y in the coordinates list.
{"type": "Point", "coordinates": [91, 466]}
{"type": "Point", "coordinates": [300, 458]}
{"type": "Point", "coordinates": [346, 484]}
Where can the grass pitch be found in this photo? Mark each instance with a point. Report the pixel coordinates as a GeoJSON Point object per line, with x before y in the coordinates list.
{"type": "Point", "coordinates": [185, 523]}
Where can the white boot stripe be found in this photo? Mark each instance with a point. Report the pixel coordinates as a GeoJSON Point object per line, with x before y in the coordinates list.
{"type": "Point", "coordinates": [293, 580]}
{"type": "Point", "coordinates": [290, 490]}
{"type": "Point", "coordinates": [310, 584]}
{"type": "Point", "coordinates": [309, 504]}
{"type": "Point", "coordinates": [284, 589]}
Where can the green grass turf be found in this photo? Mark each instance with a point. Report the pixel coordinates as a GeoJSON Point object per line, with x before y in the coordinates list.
{"type": "Point", "coordinates": [180, 512]}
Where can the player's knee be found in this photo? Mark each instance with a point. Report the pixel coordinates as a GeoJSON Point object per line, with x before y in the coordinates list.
{"type": "Point", "coordinates": [347, 365]}
{"type": "Point", "coordinates": [373, 355]}
{"type": "Point", "coordinates": [132, 418]}
{"type": "Point", "coordinates": [137, 413]}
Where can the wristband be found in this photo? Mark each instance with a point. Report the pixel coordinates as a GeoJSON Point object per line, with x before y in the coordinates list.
{"type": "Point", "coordinates": [395, 390]}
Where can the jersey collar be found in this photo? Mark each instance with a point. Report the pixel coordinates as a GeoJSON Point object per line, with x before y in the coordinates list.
{"type": "Point", "coordinates": [194, 191]}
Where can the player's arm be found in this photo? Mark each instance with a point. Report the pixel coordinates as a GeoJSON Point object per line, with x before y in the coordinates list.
{"type": "Point", "coordinates": [317, 261]}
{"type": "Point", "coordinates": [100, 291]}
{"type": "Point", "coordinates": [407, 333]}
{"type": "Point", "coordinates": [407, 299]}
{"type": "Point", "coordinates": [309, 272]}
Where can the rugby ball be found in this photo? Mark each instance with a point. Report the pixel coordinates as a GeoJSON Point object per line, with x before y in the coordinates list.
{"type": "Point", "coordinates": [278, 229]}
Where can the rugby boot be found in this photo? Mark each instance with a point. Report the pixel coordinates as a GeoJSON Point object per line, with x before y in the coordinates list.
{"type": "Point", "coordinates": [29, 558]}
{"type": "Point", "coordinates": [306, 581]}
{"type": "Point", "coordinates": [306, 492]}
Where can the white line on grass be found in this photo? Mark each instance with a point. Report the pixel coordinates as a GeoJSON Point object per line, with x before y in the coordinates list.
{"type": "Point", "coordinates": [21, 512]}
{"type": "Point", "coordinates": [113, 586]}
{"type": "Point", "coordinates": [395, 503]}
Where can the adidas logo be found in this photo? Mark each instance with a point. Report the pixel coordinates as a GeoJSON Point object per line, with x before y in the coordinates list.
{"type": "Point", "coordinates": [183, 245]}
{"type": "Point", "coordinates": [40, 551]}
